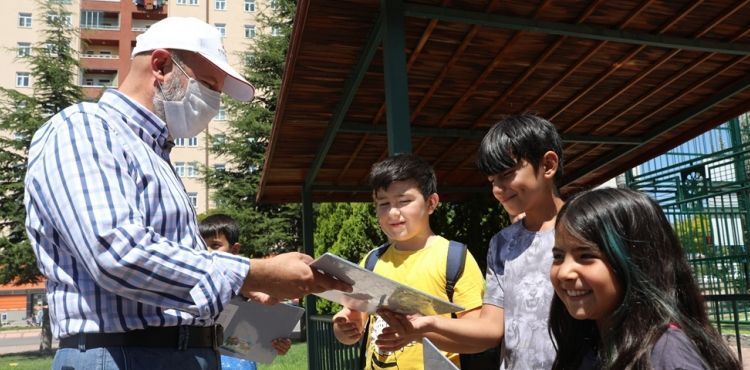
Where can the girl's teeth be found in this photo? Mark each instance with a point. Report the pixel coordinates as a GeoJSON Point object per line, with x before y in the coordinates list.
{"type": "Point", "coordinates": [576, 293]}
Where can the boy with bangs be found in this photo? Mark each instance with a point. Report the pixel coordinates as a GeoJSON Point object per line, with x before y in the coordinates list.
{"type": "Point", "coordinates": [522, 159]}
{"type": "Point", "coordinates": [404, 191]}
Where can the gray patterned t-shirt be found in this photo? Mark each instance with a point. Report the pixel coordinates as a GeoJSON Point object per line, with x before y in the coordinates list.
{"type": "Point", "coordinates": [518, 264]}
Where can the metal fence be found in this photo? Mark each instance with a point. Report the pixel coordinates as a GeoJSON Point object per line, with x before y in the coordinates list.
{"type": "Point", "coordinates": [703, 189]}
{"type": "Point", "coordinates": [329, 353]}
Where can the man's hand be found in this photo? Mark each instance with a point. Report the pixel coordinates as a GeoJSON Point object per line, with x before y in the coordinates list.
{"type": "Point", "coordinates": [348, 326]}
{"type": "Point", "coordinates": [262, 298]}
{"type": "Point", "coordinates": [288, 275]}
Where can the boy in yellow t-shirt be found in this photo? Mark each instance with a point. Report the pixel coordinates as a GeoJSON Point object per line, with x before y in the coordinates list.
{"type": "Point", "coordinates": [404, 191]}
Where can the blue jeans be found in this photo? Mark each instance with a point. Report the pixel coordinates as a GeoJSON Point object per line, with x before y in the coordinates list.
{"type": "Point", "coordinates": [136, 358]}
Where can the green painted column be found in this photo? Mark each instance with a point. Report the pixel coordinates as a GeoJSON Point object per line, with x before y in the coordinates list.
{"type": "Point", "coordinates": [308, 227]}
{"type": "Point", "coordinates": [396, 85]}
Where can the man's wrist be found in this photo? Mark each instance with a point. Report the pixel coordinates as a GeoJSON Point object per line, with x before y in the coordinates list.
{"type": "Point", "coordinates": [255, 279]}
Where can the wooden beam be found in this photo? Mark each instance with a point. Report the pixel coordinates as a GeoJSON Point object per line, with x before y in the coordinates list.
{"type": "Point", "coordinates": [574, 30]}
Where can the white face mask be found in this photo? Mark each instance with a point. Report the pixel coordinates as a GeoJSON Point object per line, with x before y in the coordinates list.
{"type": "Point", "coordinates": [190, 115]}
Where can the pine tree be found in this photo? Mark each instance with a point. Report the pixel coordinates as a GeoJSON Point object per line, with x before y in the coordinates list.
{"type": "Point", "coordinates": [53, 66]}
{"type": "Point", "coordinates": [264, 229]}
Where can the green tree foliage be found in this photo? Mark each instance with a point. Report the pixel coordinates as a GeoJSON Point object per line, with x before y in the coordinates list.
{"type": "Point", "coordinates": [264, 229]}
{"type": "Point", "coordinates": [53, 64]}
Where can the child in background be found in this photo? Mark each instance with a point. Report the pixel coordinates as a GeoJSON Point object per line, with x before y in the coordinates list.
{"type": "Point", "coordinates": [522, 159]}
{"type": "Point", "coordinates": [625, 295]}
{"type": "Point", "coordinates": [221, 234]}
{"type": "Point", "coordinates": [405, 195]}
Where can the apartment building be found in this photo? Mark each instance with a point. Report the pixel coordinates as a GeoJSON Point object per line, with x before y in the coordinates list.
{"type": "Point", "coordinates": [108, 29]}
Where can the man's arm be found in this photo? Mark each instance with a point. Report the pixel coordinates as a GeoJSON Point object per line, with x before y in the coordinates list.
{"type": "Point", "coordinates": [81, 185]}
{"type": "Point", "coordinates": [473, 331]}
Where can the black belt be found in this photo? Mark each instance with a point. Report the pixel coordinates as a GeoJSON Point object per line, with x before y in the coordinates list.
{"type": "Point", "coordinates": [178, 337]}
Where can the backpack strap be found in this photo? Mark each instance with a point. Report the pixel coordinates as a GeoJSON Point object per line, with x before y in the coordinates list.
{"type": "Point", "coordinates": [454, 266]}
{"type": "Point", "coordinates": [374, 255]}
{"type": "Point", "coordinates": [370, 262]}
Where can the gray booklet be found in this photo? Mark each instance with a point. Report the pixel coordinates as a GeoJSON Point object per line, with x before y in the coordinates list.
{"type": "Point", "coordinates": [434, 359]}
{"type": "Point", "coordinates": [249, 328]}
{"type": "Point", "coordinates": [372, 291]}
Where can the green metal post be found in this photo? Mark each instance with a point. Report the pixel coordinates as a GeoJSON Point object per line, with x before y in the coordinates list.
{"type": "Point", "coordinates": [396, 86]}
{"type": "Point", "coordinates": [308, 227]}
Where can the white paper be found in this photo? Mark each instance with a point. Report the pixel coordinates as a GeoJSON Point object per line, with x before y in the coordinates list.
{"type": "Point", "coordinates": [434, 359]}
{"type": "Point", "coordinates": [372, 291]}
{"type": "Point", "coordinates": [249, 328]}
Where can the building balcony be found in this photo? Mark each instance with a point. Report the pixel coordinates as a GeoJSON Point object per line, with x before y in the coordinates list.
{"type": "Point", "coordinates": [100, 32]}
{"type": "Point", "coordinates": [99, 61]}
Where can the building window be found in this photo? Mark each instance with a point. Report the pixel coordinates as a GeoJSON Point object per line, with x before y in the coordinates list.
{"type": "Point", "coordinates": [220, 139]}
{"type": "Point", "coordinates": [249, 5]}
{"type": "Point", "coordinates": [275, 31]}
{"type": "Point", "coordinates": [193, 198]}
{"type": "Point", "coordinates": [191, 169]}
{"type": "Point", "coordinates": [220, 4]}
{"type": "Point", "coordinates": [24, 20]}
{"type": "Point", "coordinates": [220, 167]}
{"type": "Point", "coordinates": [24, 49]}
{"type": "Point", "coordinates": [186, 142]}
{"type": "Point", "coordinates": [23, 79]}
{"type": "Point", "coordinates": [179, 168]}
{"type": "Point", "coordinates": [222, 27]}
{"type": "Point", "coordinates": [249, 31]}
{"type": "Point", "coordinates": [221, 115]}
{"type": "Point", "coordinates": [53, 17]}
{"type": "Point", "coordinates": [51, 48]}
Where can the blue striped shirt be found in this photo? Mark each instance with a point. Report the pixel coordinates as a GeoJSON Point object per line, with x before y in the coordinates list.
{"type": "Point", "coordinates": [112, 228]}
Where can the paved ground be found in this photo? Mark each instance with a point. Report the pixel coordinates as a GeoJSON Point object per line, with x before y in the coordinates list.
{"type": "Point", "coordinates": [22, 340]}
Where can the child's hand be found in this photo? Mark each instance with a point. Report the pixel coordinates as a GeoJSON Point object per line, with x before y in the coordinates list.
{"type": "Point", "coordinates": [390, 341]}
{"type": "Point", "coordinates": [403, 325]}
{"type": "Point", "coordinates": [281, 345]}
{"type": "Point", "coordinates": [262, 298]}
{"type": "Point", "coordinates": [349, 323]}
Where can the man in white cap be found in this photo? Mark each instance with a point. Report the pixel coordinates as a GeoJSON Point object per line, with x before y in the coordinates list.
{"type": "Point", "coordinates": [130, 283]}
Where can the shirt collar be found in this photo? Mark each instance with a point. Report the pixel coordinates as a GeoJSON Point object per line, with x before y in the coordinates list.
{"type": "Point", "coordinates": [148, 126]}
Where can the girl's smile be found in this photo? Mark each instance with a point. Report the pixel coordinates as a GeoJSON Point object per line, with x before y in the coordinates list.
{"type": "Point", "coordinates": [583, 279]}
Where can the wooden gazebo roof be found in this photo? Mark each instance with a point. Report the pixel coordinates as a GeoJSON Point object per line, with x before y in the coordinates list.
{"type": "Point", "coordinates": [622, 80]}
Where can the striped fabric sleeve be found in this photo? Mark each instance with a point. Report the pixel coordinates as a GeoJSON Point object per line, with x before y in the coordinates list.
{"type": "Point", "coordinates": [91, 200]}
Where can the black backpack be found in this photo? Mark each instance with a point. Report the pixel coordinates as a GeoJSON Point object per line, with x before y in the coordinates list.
{"type": "Point", "coordinates": [454, 268]}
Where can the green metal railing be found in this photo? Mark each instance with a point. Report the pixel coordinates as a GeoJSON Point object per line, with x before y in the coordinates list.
{"type": "Point", "coordinates": [706, 197]}
{"type": "Point", "coordinates": [330, 354]}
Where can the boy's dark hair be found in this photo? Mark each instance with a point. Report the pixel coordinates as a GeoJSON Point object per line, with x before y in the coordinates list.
{"type": "Point", "coordinates": [523, 136]}
{"type": "Point", "coordinates": [220, 224]}
{"type": "Point", "coordinates": [403, 167]}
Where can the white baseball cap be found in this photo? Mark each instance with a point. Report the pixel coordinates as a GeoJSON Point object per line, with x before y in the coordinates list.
{"type": "Point", "coordinates": [194, 35]}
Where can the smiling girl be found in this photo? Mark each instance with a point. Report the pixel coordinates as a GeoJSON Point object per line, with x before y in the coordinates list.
{"type": "Point", "coordinates": [625, 296]}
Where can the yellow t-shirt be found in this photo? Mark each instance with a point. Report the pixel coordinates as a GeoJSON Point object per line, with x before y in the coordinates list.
{"type": "Point", "coordinates": [423, 269]}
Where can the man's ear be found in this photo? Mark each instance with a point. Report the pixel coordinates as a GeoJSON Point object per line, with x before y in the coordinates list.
{"type": "Point", "coordinates": [549, 165]}
{"type": "Point", "coordinates": [161, 63]}
{"type": "Point", "coordinates": [234, 248]}
{"type": "Point", "coordinates": [432, 202]}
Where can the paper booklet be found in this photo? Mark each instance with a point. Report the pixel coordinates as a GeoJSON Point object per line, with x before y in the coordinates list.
{"type": "Point", "coordinates": [249, 328]}
{"type": "Point", "coordinates": [434, 359]}
{"type": "Point", "coordinates": [372, 291]}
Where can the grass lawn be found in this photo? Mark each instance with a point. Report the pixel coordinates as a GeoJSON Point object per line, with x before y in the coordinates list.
{"type": "Point", "coordinates": [295, 359]}
{"type": "Point", "coordinates": [25, 361]}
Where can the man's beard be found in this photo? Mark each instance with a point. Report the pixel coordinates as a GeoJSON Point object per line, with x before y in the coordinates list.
{"type": "Point", "coordinates": [171, 90]}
